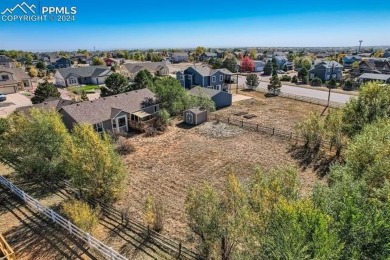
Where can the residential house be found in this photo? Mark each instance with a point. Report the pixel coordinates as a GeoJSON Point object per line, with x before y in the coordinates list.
{"type": "Point", "coordinates": [375, 66]}
{"type": "Point", "coordinates": [67, 77]}
{"type": "Point", "coordinates": [62, 63]}
{"type": "Point", "coordinates": [385, 78]}
{"type": "Point", "coordinates": [259, 65]}
{"type": "Point", "coordinates": [327, 70]}
{"type": "Point", "coordinates": [386, 54]}
{"type": "Point", "coordinates": [221, 98]}
{"type": "Point", "coordinates": [282, 62]}
{"type": "Point", "coordinates": [205, 77]}
{"type": "Point", "coordinates": [207, 56]}
{"type": "Point", "coordinates": [111, 62]}
{"type": "Point", "coordinates": [220, 54]}
{"type": "Point", "coordinates": [50, 103]}
{"type": "Point", "coordinates": [178, 57]}
{"type": "Point", "coordinates": [350, 59]}
{"type": "Point", "coordinates": [117, 113]}
{"type": "Point", "coordinates": [13, 80]}
{"type": "Point", "coordinates": [7, 62]}
{"type": "Point", "coordinates": [130, 70]}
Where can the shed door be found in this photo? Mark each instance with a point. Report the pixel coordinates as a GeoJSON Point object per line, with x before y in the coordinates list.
{"type": "Point", "coordinates": [189, 118]}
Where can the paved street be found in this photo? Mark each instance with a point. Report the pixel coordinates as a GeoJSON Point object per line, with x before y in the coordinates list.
{"type": "Point", "coordinates": [13, 101]}
{"type": "Point", "coordinates": [311, 93]}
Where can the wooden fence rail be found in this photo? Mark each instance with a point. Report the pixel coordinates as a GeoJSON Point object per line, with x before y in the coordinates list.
{"type": "Point", "coordinates": [6, 250]}
{"type": "Point", "coordinates": [105, 250]}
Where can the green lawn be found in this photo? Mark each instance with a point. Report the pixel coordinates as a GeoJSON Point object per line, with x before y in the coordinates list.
{"type": "Point", "coordinates": [87, 88]}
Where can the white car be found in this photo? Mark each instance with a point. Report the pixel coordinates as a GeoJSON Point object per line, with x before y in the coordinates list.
{"type": "Point", "coordinates": [3, 97]}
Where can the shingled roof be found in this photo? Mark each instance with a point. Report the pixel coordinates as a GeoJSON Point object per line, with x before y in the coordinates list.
{"type": "Point", "coordinates": [4, 58]}
{"type": "Point", "coordinates": [17, 73]}
{"type": "Point", "coordinates": [89, 71]}
{"type": "Point", "coordinates": [50, 103]}
{"type": "Point", "coordinates": [153, 67]}
{"type": "Point", "coordinates": [206, 71]}
{"type": "Point", "coordinates": [104, 109]}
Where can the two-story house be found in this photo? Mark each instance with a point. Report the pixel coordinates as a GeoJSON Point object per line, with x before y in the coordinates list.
{"type": "Point", "coordinates": [7, 62]}
{"type": "Point", "coordinates": [67, 77]}
{"type": "Point", "coordinates": [13, 80]}
{"type": "Point", "coordinates": [178, 57]}
{"type": "Point", "coordinates": [327, 70]}
{"type": "Point", "coordinates": [206, 77]}
{"type": "Point", "coordinates": [375, 66]}
{"type": "Point", "coordinates": [62, 63]}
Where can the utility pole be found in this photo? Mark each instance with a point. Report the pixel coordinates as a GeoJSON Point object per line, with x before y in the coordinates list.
{"type": "Point", "coordinates": [360, 45]}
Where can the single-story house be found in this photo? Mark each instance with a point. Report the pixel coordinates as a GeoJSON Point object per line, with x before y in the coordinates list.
{"type": "Point", "coordinates": [195, 116]}
{"type": "Point", "coordinates": [7, 62]}
{"type": "Point", "coordinates": [206, 77]}
{"type": "Point", "coordinates": [83, 75]}
{"type": "Point", "coordinates": [118, 113]}
{"type": "Point", "coordinates": [62, 63]}
{"type": "Point", "coordinates": [13, 80]}
{"type": "Point", "coordinates": [221, 98]}
{"type": "Point", "coordinates": [50, 103]}
{"type": "Point", "coordinates": [327, 70]}
{"type": "Point", "coordinates": [207, 56]}
{"type": "Point", "coordinates": [178, 57]}
{"type": "Point", "coordinates": [385, 78]}
{"type": "Point", "coordinates": [130, 70]}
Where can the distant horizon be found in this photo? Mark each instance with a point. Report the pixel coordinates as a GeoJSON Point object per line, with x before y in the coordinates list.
{"type": "Point", "coordinates": [212, 23]}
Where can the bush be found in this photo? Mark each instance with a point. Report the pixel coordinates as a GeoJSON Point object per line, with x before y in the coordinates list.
{"type": "Point", "coordinates": [348, 86]}
{"type": "Point", "coordinates": [123, 146]}
{"type": "Point", "coordinates": [332, 83]}
{"type": "Point", "coordinates": [81, 215]}
{"type": "Point", "coordinates": [150, 131]}
{"type": "Point", "coordinates": [317, 82]}
{"type": "Point", "coordinates": [294, 79]}
{"type": "Point", "coordinates": [154, 215]}
{"type": "Point", "coordinates": [305, 80]}
{"type": "Point", "coordinates": [285, 78]}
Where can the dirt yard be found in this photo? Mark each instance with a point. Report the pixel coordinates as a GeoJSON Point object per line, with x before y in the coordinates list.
{"type": "Point", "coordinates": [278, 112]}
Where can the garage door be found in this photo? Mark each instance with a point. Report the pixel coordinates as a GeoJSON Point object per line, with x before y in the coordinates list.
{"type": "Point", "coordinates": [8, 90]}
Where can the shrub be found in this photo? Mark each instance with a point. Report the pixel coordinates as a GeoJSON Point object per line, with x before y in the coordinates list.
{"type": "Point", "coordinates": [294, 79]}
{"type": "Point", "coordinates": [305, 80]}
{"type": "Point", "coordinates": [81, 214]}
{"type": "Point", "coordinates": [285, 78]}
{"type": "Point", "coordinates": [123, 146]}
{"type": "Point", "coordinates": [154, 215]}
{"type": "Point", "coordinates": [332, 83]}
{"type": "Point", "coordinates": [347, 85]}
{"type": "Point", "coordinates": [150, 131]}
{"type": "Point", "coordinates": [316, 82]}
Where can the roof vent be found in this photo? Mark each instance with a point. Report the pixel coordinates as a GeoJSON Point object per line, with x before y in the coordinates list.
{"type": "Point", "coordinates": [78, 104]}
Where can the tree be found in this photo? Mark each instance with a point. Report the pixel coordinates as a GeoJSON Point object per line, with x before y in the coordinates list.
{"type": "Point", "coordinates": [275, 84]}
{"type": "Point", "coordinates": [312, 132]}
{"type": "Point", "coordinates": [316, 82]}
{"type": "Point", "coordinates": [201, 100]}
{"type": "Point", "coordinates": [44, 91]}
{"type": "Point", "coordinates": [332, 83]}
{"type": "Point", "coordinates": [355, 65]}
{"type": "Point", "coordinates": [215, 63]}
{"type": "Point", "coordinates": [40, 65]}
{"type": "Point", "coordinates": [198, 52]}
{"type": "Point", "coordinates": [268, 68]}
{"type": "Point", "coordinates": [81, 214]}
{"type": "Point", "coordinates": [115, 84]}
{"type": "Point", "coordinates": [96, 61]}
{"type": "Point", "coordinates": [294, 79]}
{"type": "Point", "coordinates": [253, 54]}
{"type": "Point", "coordinates": [153, 212]}
{"type": "Point", "coordinates": [230, 64]}
{"type": "Point", "coordinates": [96, 170]}
{"type": "Point", "coordinates": [252, 81]}
{"type": "Point", "coordinates": [302, 73]}
{"type": "Point", "coordinates": [34, 142]}
{"type": "Point", "coordinates": [143, 79]}
{"type": "Point", "coordinates": [247, 64]}
{"type": "Point", "coordinates": [33, 72]}
{"type": "Point", "coordinates": [84, 96]}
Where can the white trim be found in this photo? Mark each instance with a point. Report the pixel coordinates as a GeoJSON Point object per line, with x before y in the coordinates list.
{"type": "Point", "coordinates": [213, 79]}
{"type": "Point", "coordinates": [117, 123]}
{"type": "Point", "coordinates": [96, 127]}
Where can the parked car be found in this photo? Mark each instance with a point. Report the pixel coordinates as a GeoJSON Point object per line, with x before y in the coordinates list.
{"type": "Point", "coordinates": [3, 97]}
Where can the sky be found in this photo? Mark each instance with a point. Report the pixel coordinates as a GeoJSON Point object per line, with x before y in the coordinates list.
{"type": "Point", "coordinates": [146, 24]}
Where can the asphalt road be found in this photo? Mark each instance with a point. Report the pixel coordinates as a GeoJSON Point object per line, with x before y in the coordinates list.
{"type": "Point", "coordinates": [311, 93]}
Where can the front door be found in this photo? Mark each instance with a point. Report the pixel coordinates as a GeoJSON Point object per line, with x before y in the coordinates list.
{"type": "Point", "coordinates": [121, 124]}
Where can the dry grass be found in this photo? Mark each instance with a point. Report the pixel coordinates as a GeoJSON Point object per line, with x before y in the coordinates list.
{"type": "Point", "coordinates": [275, 112]}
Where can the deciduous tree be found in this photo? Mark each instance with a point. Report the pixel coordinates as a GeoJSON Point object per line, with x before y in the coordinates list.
{"type": "Point", "coordinates": [115, 84]}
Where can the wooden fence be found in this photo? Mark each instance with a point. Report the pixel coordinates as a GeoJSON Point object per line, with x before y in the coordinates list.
{"type": "Point", "coordinates": [73, 230]}
{"type": "Point", "coordinates": [6, 251]}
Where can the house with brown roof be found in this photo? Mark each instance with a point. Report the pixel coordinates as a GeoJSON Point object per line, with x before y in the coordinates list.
{"type": "Point", "coordinates": [130, 70]}
{"type": "Point", "coordinates": [118, 113]}
{"type": "Point", "coordinates": [13, 80]}
{"type": "Point", "coordinates": [50, 103]}
{"type": "Point", "coordinates": [378, 66]}
{"type": "Point", "coordinates": [7, 62]}
{"type": "Point", "coordinates": [67, 77]}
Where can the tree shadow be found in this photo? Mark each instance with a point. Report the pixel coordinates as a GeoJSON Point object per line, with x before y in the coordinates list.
{"type": "Point", "coordinates": [184, 125]}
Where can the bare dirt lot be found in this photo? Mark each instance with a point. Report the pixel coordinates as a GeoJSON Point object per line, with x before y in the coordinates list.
{"type": "Point", "coordinates": [277, 112]}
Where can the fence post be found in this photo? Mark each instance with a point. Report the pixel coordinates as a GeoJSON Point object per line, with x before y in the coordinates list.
{"type": "Point", "coordinates": [70, 227]}
{"type": "Point", "coordinates": [111, 254]}
{"type": "Point", "coordinates": [179, 255]}
{"type": "Point", "coordinates": [89, 239]}
{"type": "Point", "coordinates": [242, 123]}
{"type": "Point", "coordinates": [52, 216]}
{"type": "Point", "coordinates": [273, 131]}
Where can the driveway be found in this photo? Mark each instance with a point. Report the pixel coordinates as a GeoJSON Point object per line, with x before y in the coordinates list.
{"type": "Point", "coordinates": [13, 101]}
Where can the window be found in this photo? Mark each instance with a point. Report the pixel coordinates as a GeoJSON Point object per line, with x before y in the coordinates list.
{"type": "Point", "coordinates": [4, 77]}
{"type": "Point", "coordinates": [221, 78]}
{"type": "Point", "coordinates": [213, 79]}
{"type": "Point", "coordinates": [122, 121]}
{"type": "Point", "coordinates": [72, 81]}
{"type": "Point", "coordinates": [181, 77]}
{"type": "Point", "coordinates": [189, 77]}
{"type": "Point", "coordinates": [98, 127]}
{"type": "Point", "coordinates": [155, 109]}
{"type": "Point", "coordinates": [113, 123]}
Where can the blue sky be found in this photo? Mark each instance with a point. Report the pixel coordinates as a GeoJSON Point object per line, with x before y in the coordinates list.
{"type": "Point", "coordinates": [181, 24]}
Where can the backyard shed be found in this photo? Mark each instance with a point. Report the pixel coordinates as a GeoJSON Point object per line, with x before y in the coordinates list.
{"type": "Point", "coordinates": [195, 116]}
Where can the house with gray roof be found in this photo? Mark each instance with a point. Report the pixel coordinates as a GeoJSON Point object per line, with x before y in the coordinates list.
{"type": "Point", "coordinates": [207, 56]}
{"type": "Point", "coordinates": [178, 57]}
{"type": "Point", "coordinates": [327, 70]}
{"type": "Point", "coordinates": [7, 62]}
{"type": "Point", "coordinates": [50, 103]}
{"type": "Point", "coordinates": [67, 77]}
{"type": "Point", "coordinates": [221, 98]}
{"type": "Point", "coordinates": [206, 77]}
{"type": "Point", "coordinates": [130, 70]}
{"type": "Point", "coordinates": [378, 66]}
{"type": "Point", "coordinates": [118, 113]}
{"type": "Point", "coordinates": [350, 59]}
{"type": "Point", "coordinates": [366, 77]}
{"type": "Point", "coordinates": [13, 80]}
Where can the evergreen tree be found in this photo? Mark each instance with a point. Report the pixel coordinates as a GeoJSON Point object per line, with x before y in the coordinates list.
{"type": "Point", "coordinates": [275, 83]}
{"type": "Point", "coordinates": [84, 96]}
{"type": "Point", "coordinates": [268, 68]}
{"type": "Point", "coordinates": [44, 91]}
{"type": "Point", "coordinates": [252, 81]}
{"type": "Point", "coordinates": [115, 84]}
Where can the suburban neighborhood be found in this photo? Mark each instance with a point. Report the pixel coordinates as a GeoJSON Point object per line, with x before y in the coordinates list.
{"type": "Point", "coordinates": [202, 131]}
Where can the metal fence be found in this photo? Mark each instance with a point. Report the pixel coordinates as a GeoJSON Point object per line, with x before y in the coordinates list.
{"type": "Point", "coordinates": [106, 251]}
